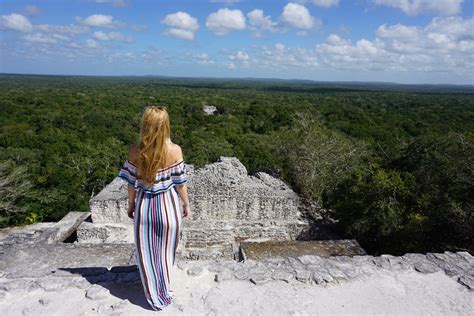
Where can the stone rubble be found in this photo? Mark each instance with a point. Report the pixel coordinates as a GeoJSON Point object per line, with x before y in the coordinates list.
{"type": "Point", "coordinates": [314, 270]}
{"type": "Point", "coordinates": [228, 206]}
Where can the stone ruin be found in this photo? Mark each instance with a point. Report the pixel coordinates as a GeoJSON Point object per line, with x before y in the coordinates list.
{"type": "Point", "coordinates": [228, 207]}
{"type": "Point", "coordinates": [209, 109]}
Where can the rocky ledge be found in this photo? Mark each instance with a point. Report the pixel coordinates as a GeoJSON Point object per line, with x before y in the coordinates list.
{"type": "Point", "coordinates": [320, 270]}
{"type": "Point", "coordinates": [102, 282]}
{"type": "Point", "coordinates": [310, 269]}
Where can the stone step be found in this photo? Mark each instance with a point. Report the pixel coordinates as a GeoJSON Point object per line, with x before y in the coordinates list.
{"type": "Point", "coordinates": [66, 226]}
{"type": "Point", "coordinates": [37, 260]}
{"type": "Point", "coordinates": [97, 233]}
{"type": "Point", "coordinates": [263, 249]}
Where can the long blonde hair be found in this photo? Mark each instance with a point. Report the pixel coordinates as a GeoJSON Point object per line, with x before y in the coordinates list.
{"type": "Point", "coordinates": [153, 143]}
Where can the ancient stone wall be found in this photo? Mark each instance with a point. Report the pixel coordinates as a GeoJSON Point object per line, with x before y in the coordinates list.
{"type": "Point", "coordinates": [227, 206]}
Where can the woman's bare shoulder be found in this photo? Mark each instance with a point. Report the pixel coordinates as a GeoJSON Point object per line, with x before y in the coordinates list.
{"type": "Point", "coordinates": [176, 152]}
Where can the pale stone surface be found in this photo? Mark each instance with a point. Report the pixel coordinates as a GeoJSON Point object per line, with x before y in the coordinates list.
{"type": "Point", "coordinates": [209, 109]}
{"type": "Point", "coordinates": [195, 271]}
{"type": "Point", "coordinates": [228, 206]}
{"type": "Point", "coordinates": [381, 290]}
{"type": "Point", "coordinates": [105, 232]}
{"type": "Point", "coordinates": [97, 292]}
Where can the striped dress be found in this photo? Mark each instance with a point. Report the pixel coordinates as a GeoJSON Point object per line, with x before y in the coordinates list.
{"type": "Point", "coordinates": [158, 221]}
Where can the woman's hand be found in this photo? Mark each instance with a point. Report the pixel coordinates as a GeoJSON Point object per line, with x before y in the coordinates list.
{"type": "Point", "coordinates": [186, 211]}
{"type": "Point", "coordinates": [131, 210]}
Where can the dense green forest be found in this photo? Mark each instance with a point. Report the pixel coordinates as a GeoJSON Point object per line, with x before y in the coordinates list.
{"type": "Point", "coordinates": [393, 162]}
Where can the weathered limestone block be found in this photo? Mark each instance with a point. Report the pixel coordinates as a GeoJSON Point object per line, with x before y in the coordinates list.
{"type": "Point", "coordinates": [227, 204]}
{"type": "Point", "coordinates": [105, 233]}
{"type": "Point", "coordinates": [111, 204]}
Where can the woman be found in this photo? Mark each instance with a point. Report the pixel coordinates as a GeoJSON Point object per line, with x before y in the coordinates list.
{"type": "Point", "coordinates": [156, 174]}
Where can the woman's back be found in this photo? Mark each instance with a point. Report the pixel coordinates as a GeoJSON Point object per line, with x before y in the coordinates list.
{"type": "Point", "coordinates": [173, 173]}
{"type": "Point", "coordinates": [175, 154]}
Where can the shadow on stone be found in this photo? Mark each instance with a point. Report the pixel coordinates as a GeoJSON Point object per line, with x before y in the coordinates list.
{"type": "Point", "coordinates": [122, 282]}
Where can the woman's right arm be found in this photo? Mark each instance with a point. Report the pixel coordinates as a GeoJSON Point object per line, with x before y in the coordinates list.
{"type": "Point", "coordinates": [183, 188]}
{"type": "Point", "coordinates": [183, 194]}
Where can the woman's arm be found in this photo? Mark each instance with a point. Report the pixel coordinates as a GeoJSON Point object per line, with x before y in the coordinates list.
{"type": "Point", "coordinates": [132, 155]}
{"type": "Point", "coordinates": [182, 189]}
{"type": "Point", "coordinates": [183, 193]}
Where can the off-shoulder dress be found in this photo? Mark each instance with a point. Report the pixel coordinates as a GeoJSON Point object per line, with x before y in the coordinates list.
{"type": "Point", "coordinates": [158, 221]}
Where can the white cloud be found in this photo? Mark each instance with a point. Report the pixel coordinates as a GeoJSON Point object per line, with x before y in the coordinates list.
{"type": "Point", "coordinates": [240, 56]}
{"type": "Point", "coordinates": [180, 33]}
{"type": "Point", "coordinates": [442, 48]}
{"type": "Point", "coordinates": [336, 40]}
{"type": "Point", "coordinates": [39, 38]}
{"type": "Point", "coordinates": [258, 22]}
{"type": "Point", "coordinates": [112, 36]}
{"type": "Point", "coordinates": [399, 31]}
{"type": "Point", "coordinates": [204, 59]}
{"type": "Point", "coordinates": [325, 3]}
{"type": "Point", "coordinates": [69, 30]}
{"type": "Point", "coordinates": [16, 22]}
{"type": "Point", "coordinates": [239, 59]}
{"type": "Point", "coordinates": [297, 15]}
{"type": "Point", "coordinates": [181, 20]}
{"type": "Point", "coordinates": [98, 20]}
{"type": "Point", "coordinates": [182, 25]}
{"type": "Point", "coordinates": [416, 7]}
{"type": "Point", "coordinates": [443, 45]}
{"type": "Point", "coordinates": [281, 58]}
{"type": "Point", "coordinates": [90, 43]}
{"type": "Point", "coordinates": [225, 20]}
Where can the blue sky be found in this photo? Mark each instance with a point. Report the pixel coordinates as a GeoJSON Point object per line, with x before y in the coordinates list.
{"type": "Point", "coordinates": [406, 41]}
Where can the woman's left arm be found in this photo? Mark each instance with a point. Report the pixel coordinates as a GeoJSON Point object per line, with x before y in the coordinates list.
{"type": "Point", "coordinates": [132, 156]}
{"type": "Point", "coordinates": [131, 200]}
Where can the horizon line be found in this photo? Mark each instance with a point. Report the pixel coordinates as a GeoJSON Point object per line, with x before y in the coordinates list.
{"type": "Point", "coordinates": [248, 78]}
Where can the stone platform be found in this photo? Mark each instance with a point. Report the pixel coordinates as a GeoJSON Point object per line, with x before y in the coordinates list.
{"type": "Point", "coordinates": [227, 207]}
{"type": "Point", "coordinates": [296, 248]}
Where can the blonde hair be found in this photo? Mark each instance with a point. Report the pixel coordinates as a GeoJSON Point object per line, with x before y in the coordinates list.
{"type": "Point", "coordinates": [153, 143]}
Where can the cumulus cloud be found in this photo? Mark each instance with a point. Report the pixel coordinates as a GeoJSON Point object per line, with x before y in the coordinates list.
{"type": "Point", "coordinates": [240, 56]}
{"type": "Point", "coordinates": [98, 20]}
{"type": "Point", "coordinates": [16, 22]}
{"type": "Point", "coordinates": [445, 44]}
{"type": "Point", "coordinates": [112, 36]}
{"type": "Point", "coordinates": [336, 40]}
{"type": "Point", "coordinates": [325, 3]}
{"type": "Point", "coordinates": [259, 23]}
{"type": "Point", "coordinates": [204, 59]}
{"type": "Point", "coordinates": [225, 21]}
{"type": "Point", "coordinates": [297, 15]}
{"type": "Point", "coordinates": [181, 25]}
{"type": "Point", "coordinates": [239, 59]}
{"type": "Point", "coordinates": [180, 33]}
{"type": "Point", "coordinates": [417, 7]}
